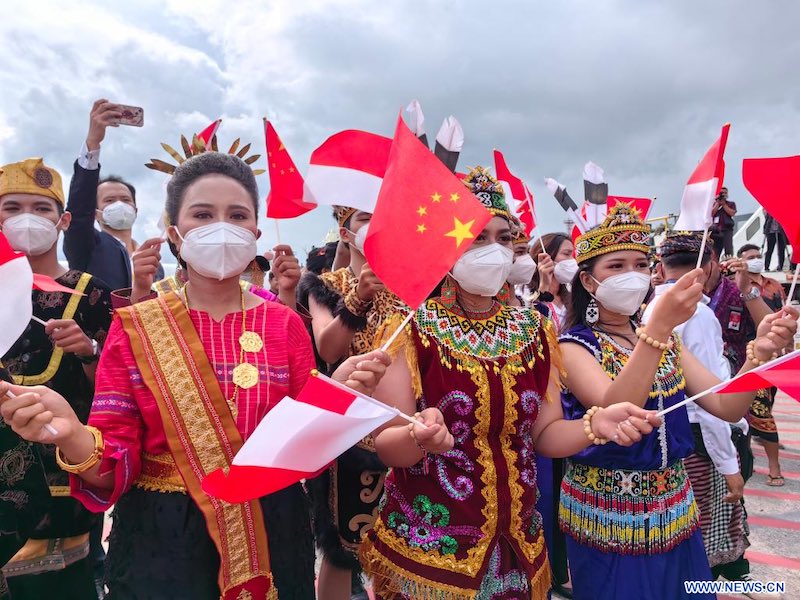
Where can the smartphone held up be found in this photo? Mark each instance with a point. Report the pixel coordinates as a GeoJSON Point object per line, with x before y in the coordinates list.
{"type": "Point", "coordinates": [130, 115]}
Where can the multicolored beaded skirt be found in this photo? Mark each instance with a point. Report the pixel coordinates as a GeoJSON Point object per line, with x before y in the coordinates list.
{"type": "Point", "coordinates": [627, 512]}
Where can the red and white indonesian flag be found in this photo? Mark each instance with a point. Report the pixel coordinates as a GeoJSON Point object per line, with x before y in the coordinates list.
{"type": "Point", "coordinates": [209, 132]}
{"type": "Point", "coordinates": [703, 186]}
{"type": "Point", "coordinates": [16, 307]}
{"type": "Point", "coordinates": [298, 439]}
{"type": "Point", "coordinates": [348, 169]}
{"type": "Point", "coordinates": [783, 373]}
{"type": "Point", "coordinates": [518, 196]}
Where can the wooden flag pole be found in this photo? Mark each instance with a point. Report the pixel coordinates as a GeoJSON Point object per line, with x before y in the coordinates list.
{"type": "Point", "coordinates": [390, 341]}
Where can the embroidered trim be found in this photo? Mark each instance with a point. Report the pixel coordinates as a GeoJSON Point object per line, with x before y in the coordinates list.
{"type": "Point", "coordinates": [159, 473]}
{"type": "Point", "coordinates": [628, 512]}
{"type": "Point", "coordinates": [58, 353]}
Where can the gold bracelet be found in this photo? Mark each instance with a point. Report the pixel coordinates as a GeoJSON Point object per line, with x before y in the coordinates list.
{"type": "Point", "coordinates": [354, 303]}
{"type": "Point", "coordinates": [94, 457]}
{"type": "Point", "coordinates": [751, 354]}
{"type": "Point", "coordinates": [587, 426]}
{"type": "Point", "coordinates": [642, 335]}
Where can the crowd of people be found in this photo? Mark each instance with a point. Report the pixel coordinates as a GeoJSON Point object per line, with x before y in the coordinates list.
{"type": "Point", "coordinates": [535, 371]}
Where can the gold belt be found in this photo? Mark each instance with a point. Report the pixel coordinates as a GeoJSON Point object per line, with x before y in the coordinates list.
{"type": "Point", "coordinates": [160, 474]}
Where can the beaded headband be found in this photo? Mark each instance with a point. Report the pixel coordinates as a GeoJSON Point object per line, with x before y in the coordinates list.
{"type": "Point", "coordinates": [683, 241]}
{"type": "Point", "coordinates": [518, 235]}
{"type": "Point", "coordinates": [488, 190]}
{"type": "Point", "coordinates": [198, 146]}
{"type": "Point", "coordinates": [622, 229]}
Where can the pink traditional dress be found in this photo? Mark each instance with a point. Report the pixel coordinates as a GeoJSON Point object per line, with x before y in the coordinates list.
{"type": "Point", "coordinates": [169, 412]}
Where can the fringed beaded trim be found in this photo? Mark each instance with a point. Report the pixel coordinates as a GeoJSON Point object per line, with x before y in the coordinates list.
{"type": "Point", "coordinates": [628, 512]}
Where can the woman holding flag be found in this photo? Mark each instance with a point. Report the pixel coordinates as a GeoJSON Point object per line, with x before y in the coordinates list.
{"type": "Point", "coordinates": [183, 380]}
{"type": "Point", "coordinates": [629, 514]}
{"type": "Point", "coordinates": [458, 519]}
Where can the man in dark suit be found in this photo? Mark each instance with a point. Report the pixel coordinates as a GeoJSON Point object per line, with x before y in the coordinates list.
{"type": "Point", "coordinates": [110, 201]}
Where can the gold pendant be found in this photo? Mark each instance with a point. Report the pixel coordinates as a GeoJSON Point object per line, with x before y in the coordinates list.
{"type": "Point", "coordinates": [245, 375]}
{"type": "Point", "coordinates": [250, 341]}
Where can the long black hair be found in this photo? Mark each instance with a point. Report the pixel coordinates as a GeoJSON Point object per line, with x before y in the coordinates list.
{"type": "Point", "coordinates": [580, 297]}
{"type": "Point", "coordinates": [552, 244]}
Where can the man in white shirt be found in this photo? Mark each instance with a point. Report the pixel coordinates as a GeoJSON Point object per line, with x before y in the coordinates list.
{"type": "Point", "coordinates": [714, 467]}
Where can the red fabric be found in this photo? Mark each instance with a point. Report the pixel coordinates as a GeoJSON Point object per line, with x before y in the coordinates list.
{"type": "Point", "coordinates": [7, 253]}
{"type": "Point", "coordinates": [285, 199]}
{"type": "Point", "coordinates": [353, 149]}
{"type": "Point", "coordinates": [322, 394]}
{"type": "Point", "coordinates": [242, 483]}
{"type": "Point", "coordinates": [518, 191]}
{"type": "Point", "coordinates": [424, 216]}
{"type": "Point", "coordinates": [126, 412]}
{"type": "Point", "coordinates": [48, 284]}
{"type": "Point", "coordinates": [782, 374]}
{"type": "Point", "coordinates": [713, 163]}
{"type": "Point", "coordinates": [775, 184]}
{"type": "Point", "coordinates": [209, 131]}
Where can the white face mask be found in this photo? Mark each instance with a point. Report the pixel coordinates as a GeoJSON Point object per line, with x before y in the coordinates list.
{"type": "Point", "coordinates": [219, 250]}
{"type": "Point", "coordinates": [119, 215]}
{"type": "Point", "coordinates": [565, 271]}
{"type": "Point", "coordinates": [522, 270]}
{"type": "Point", "coordinates": [483, 271]}
{"type": "Point", "coordinates": [623, 293]}
{"type": "Point", "coordinates": [755, 265]}
{"type": "Point", "coordinates": [360, 237]}
{"type": "Point", "coordinates": [31, 234]}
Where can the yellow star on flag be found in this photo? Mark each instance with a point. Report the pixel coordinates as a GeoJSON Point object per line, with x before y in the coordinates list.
{"type": "Point", "coordinates": [436, 197]}
{"type": "Point", "coordinates": [421, 228]}
{"type": "Point", "coordinates": [454, 197]}
{"type": "Point", "coordinates": [422, 211]}
{"type": "Point", "coordinates": [461, 231]}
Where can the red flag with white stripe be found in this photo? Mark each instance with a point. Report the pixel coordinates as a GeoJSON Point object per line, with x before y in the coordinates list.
{"type": "Point", "coordinates": [519, 197]}
{"type": "Point", "coordinates": [348, 169]}
{"type": "Point", "coordinates": [781, 373]}
{"type": "Point", "coordinates": [703, 186]}
{"type": "Point", "coordinates": [209, 132]}
{"type": "Point", "coordinates": [298, 439]}
{"type": "Point", "coordinates": [16, 308]}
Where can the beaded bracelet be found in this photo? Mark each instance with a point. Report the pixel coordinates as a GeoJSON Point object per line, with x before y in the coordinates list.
{"type": "Point", "coordinates": [642, 335]}
{"type": "Point", "coordinates": [587, 426]}
{"type": "Point", "coordinates": [92, 460]}
{"type": "Point", "coordinates": [751, 354]}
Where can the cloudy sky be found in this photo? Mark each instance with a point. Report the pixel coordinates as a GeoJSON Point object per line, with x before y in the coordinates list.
{"type": "Point", "coordinates": [638, 86]}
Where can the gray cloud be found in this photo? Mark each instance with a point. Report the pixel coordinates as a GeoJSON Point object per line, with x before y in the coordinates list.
{"type": "Point", "coordinates": [640, 87]}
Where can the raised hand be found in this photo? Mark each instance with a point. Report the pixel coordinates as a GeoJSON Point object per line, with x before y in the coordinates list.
{"type": "Point", "coordinates": [103, 114]}
{"type": "Point", "coordinates": [545, 266]}
{"type": "Point", "coordinates": [368, 284]}
{"type": "Point", "coordinates": [286, 268]}
{"type": "Point", "coordinates": [679, 303]}
{"type": "Point", "coordinates": [145, 259]}
{"type": "Point", "coordinates": [775, 332]}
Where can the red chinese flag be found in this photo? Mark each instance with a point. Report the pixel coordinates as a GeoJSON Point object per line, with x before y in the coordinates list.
{"type": "Point", "coordinates": [287, 188]}
{"type": "Point", "coordinates": [425, 218]}
{"type": "Point", "coordinates": [775, 183]}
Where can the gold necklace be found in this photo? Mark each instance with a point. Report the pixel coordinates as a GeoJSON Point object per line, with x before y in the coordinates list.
{"type": "Point", "coordinates": [245, 375]}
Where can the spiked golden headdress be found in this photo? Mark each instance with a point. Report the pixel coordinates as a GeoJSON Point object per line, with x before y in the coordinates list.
{"type": "Point", "coordinates": [198, 146]}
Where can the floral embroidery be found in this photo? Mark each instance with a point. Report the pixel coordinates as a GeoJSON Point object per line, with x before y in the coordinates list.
{"type": "Point", "coordinates": [425, 525]}
{"type": "Point", "coordinates": [496, 583]}
{"type": "Point", "coordinates": [531, 401]}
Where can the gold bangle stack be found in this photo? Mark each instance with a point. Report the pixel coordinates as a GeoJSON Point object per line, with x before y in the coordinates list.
{"type": "Point", "coordinates": [650, 341]}
{"type": "Point", "coordinates": [751, 354]}
{"type": "Point", "coordinates": [87, 464]}
{"type": "Point", "coordinates": [354, 303]}
{"type": "Point", "coordinates": [587, 426]}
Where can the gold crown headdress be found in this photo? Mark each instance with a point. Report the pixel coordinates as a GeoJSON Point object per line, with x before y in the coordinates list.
{"type": "Point", "coordinates": [198, 146]}
{"type": "Point", "coordinates": [622, 229]}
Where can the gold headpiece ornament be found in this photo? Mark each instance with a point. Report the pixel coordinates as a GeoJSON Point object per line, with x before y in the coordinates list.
{"type": "Point", "coordinates": [31, 176]}
{"type": "Point", "coordinates": [198, 146]}
{"type": "Point", "coordinates": [622, 229]}
{"type": "Point", "coordinates": [342, 213]}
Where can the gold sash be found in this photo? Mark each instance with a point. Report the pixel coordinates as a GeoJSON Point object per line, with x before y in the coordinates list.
{"type": "Point", "coordinates": [201, 435]}
{"type": "Point", "coordinates": [58, 353]}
